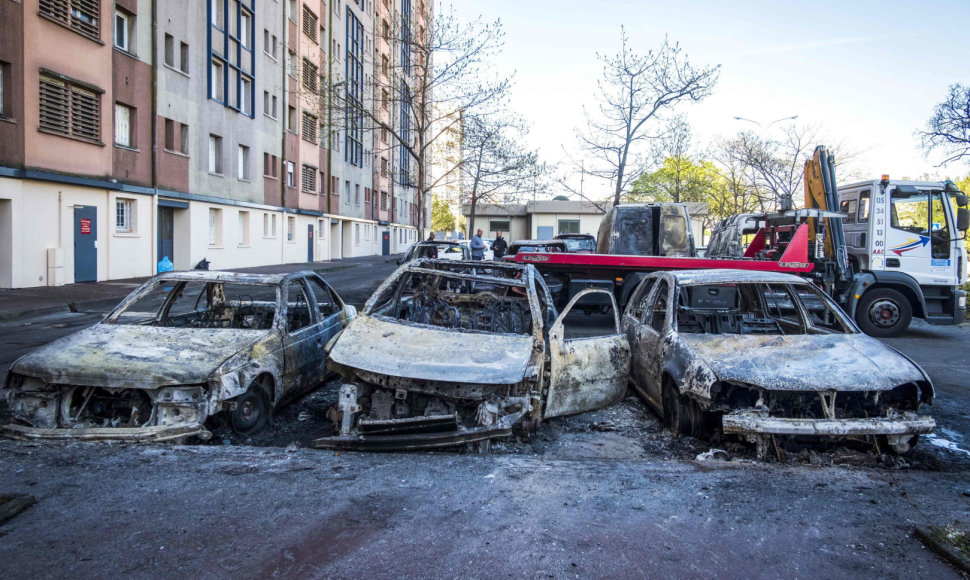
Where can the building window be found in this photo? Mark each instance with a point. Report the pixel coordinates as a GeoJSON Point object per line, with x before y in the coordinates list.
{"type": "Point", "coordinates": [184, 57]}
{"type": "Point", "coordinates": [217, 78]}
{"type": "Point", "coordinates": [215, 227]}
{"type": "Point", "coordinates": [568, 226]}
{"type": "Point", "coordinates": [270, 166]}
{"type": "Point", "coordinates": [498, 225]}
{"type": "Point", "coordinates": [69, 110]}
{"type": "Point", "coordinates": [310, 72]}
{"type": "Point", "coordinates": [124, 25]}
{"type": "Point", "coordinates": [356, 234]}
{"type": "Point", "coordinates": [169, 50]}
{"type": "Point", "coordinates": [82, 16]}
{"type": "Point", "coordinates": [384, 64]}
{"type": "Point", "coordinates": [308, 179]}
{"type": "Point", "coordinates": [309, 127]}
{"type": "Point", "coordinates": [290, 228]}
{"type": "Point", "coordinates": [242, 163]}
{"type": "Point", "coordinates": [215, 154]}
{"type": "Point", "coordinates": [242, 229]}
{"type": "Point", "coordinates": [309, 23]}
{"type": "Point", "coordinates": [406, 36]}
{"type": "Point", "coordinates": [124, 125]}
{"type": "Point", "coordinates": [290, 177]}
{"type": "Point", "coordinates": [321, 229]}
{"type": "Point", "coordinates": [384, 134]}
{"type": "Point", "coordinates": [231, 57]}
{"type": "Point", "coordinates": [383, 166]}
{"type": "Point", "coordinates": [356, 194]}
{"type": "Point", "coordinates": [383, 201]}
{"type": "Point", "coordinates": [176, 137]}
{"type": "Point", "coordinates": [269, 225]}
{"type": "Point", "coordinates": [4, 82]}
{"type": "Point", "coordinates": [385, 99]}
{"type": "Point", "coordinates": [291, 118]}
{"type": "Point", "coordinates": [354, 108]}
{"type": "Point", "coordinates": [124, 216]}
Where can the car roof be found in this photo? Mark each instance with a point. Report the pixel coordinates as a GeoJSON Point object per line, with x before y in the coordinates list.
{"type": "Point", "coordinates": [537, 243]}
{"type": "Point", "coordinates": [561, 236]}
{"type": "Point", "coordinates": [437, 243]}
{"type": "Point", "coordinates": [727, 276]}
{"type": "Point", "coordinates": [235, 277]}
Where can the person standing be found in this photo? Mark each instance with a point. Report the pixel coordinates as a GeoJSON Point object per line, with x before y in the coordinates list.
{"type": "Point", "coordinates": [433, 250]}
{"type": "Point", "coordinates": [499, 246]}
{"type": "Point", "coordinates": [478, 246]}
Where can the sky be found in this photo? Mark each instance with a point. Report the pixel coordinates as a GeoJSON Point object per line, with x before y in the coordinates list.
{"type": "Point", "coordinates": [865, 74]}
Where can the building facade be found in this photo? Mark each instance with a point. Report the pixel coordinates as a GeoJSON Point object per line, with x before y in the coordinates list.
{"type": "Point", "coordinates": [236, 131]}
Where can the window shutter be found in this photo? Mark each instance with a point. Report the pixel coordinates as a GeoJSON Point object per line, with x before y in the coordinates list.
{"type": "Point", "coordinates": [85, 114]}
{"type": "Point", "coordinates": [54, 107]}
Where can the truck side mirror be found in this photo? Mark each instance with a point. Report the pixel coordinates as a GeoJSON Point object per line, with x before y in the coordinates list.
{"type": "Point", "coordinates": [961, 199]}
{"type": "Point", "coordinates": [963, 219]}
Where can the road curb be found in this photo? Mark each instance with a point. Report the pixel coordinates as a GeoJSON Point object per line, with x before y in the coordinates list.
{"type": "Point", "coordinates": [82, 306]}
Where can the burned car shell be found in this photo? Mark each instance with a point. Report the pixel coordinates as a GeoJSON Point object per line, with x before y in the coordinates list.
{"type": "Point", "coordinates": [170, 379]}
{"type": "Point", "coordinates": [759, 384]}
{"type": "Point", "coordinates": [476, 349]}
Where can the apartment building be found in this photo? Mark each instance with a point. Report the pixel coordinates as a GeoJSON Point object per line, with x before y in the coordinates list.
{"type": "Point", "coordinates": [235, 131]}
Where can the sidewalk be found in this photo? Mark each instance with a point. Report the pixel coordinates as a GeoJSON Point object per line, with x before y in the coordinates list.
{"type": "Point", "coordinates": [23, 302]}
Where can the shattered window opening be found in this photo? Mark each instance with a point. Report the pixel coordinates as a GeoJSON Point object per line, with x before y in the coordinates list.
{"type": "Point", "coordinates": [209, 305]}
{"type": "Point", "coordinates": [774, 309]}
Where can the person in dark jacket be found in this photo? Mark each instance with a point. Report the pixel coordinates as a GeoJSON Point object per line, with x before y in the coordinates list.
{"type": "Point", "coordinates": [433, 250]}
{"type": "Point", "coordinates": [499, 246]}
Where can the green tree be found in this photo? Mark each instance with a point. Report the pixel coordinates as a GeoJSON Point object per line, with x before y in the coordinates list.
{"type": "Point", "coordinates": [964, 184]}
{"type": "Point", "coordinates": [678, 179]}
{"type": "Point", "coordinates": [442, 220]}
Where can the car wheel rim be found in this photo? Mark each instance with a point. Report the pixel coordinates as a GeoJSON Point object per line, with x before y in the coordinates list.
{"type": "Point", "coordinates": [248, 413]}
{"type": "Point", "coordinates": [884, 313]}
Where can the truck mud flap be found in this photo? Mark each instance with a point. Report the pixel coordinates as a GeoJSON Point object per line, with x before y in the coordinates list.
{"type": "Point", "coordinates": [410, 442]}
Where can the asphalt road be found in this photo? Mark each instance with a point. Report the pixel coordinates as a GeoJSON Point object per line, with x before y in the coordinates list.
{"type": "Point", "coordinates": [603, 494]}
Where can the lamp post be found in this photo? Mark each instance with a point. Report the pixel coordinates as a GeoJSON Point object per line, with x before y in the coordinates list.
{"type": "Point", "coordinates": [785, 199]}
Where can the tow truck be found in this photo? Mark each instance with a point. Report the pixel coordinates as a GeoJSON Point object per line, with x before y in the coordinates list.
{"type": "Point", "coordinates": [884, 250]}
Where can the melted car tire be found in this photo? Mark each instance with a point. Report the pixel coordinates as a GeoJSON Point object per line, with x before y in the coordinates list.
{"type": "Point", "coordinates": [675, 413]}
{"type": "Point", "coordinates": [894, 305]}
{"type": "Point", "coordinates": [252, 411]}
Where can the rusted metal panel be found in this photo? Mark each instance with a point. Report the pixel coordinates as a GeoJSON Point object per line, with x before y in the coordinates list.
{"type": "Point", "coordinates": [760, 423]}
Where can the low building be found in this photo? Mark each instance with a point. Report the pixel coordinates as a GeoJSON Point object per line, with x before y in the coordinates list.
{"type": "Point", "coordinates": [543, 219]}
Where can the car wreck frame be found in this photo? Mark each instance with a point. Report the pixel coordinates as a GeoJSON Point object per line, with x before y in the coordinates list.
{"type": "Point", "coordinates": [246, 359]}
{"type": "Point", "coordinates": [503, 373]}
{"type": "Point", "coordinates": [822, 378]}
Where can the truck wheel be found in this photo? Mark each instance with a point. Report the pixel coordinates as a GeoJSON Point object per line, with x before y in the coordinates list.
{"type": "Point", "coordinates": [884, 313]}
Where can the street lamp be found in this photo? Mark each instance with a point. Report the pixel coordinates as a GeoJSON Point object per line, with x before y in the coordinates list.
{"type": "Point", "coordinates": [765, 127]}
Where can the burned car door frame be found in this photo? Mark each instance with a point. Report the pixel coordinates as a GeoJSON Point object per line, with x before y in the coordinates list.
{"type": "Point", "coordinates": [648, 329]}
{"type": "Point", "coordinates": [586, 373]}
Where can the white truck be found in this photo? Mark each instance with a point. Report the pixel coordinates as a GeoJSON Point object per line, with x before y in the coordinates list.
{"type": "Point", "coordinates": [906, 250]}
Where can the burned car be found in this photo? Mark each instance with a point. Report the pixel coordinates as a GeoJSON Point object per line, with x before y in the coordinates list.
{"type": "Point", "coordinates": [181, 348]}
{"type": "Point", "coordinates": [446, 353]}
{"type": "Point", "coordinates": [444, 250]}
{"type": "Point", "coordinates": [768, 357]}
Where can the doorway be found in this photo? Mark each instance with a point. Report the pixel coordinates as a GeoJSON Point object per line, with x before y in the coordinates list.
{"type": "Point", "coordinates": [309, 243]}
{"type": "Point", "coordinates": [85, 243]}
{"type": "Point", "coordinates": [166, 233]}
{"type": "Point", "coordinates": [385, 243]}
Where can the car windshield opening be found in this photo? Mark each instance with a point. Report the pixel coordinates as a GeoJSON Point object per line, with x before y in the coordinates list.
{"type": "Point", "coordinates": [202, 304]}
{"type": "Point", "coordinates": [756, 308]}
{"type": "Point", "coordinates": [469, 303]}
{"type": "Point", "coordinates": [579, 244]}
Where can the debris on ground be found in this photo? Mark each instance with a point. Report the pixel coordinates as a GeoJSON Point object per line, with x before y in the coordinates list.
{"type": "Point", "coordinates": [950, 542]}
{"type": "Point", "coordinates": [714, 455]}
{"type": "Point", "coordinates": [12, 504]}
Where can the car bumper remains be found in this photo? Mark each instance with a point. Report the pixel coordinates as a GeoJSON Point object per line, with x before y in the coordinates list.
{"type": "Point", "coordinates": [158, 433]}
{"type": "Point", "coordinates": [755, 423]}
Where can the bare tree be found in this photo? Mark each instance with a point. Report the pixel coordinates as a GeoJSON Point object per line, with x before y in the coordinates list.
{"type": "Point", "coordinates": [634, 90]}
{"type": "Point", "coordinates": [774, 166]}
{"type": "Point", "coordinates": [948, 130]}
{"type": "Point", "coordinates": [447, 65]}
{"type": "Point", "coordinates": [497, 167]}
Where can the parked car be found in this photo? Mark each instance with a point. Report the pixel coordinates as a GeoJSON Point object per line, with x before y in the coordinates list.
{"type": "Point", "coordinates": [181, 348]}
{"type": "Point", "coordinates": [579, 243]}
{"type": "Point", "coordinates": [540, 246]}
{"type": "Point", "coordinates": [437, 249]}
{"type": "Point", "coordinates": [511, 359]}
{"type": "Point", "coordinates": [727, 236]}
{"type": "Point", "coordinates": [769, 357]}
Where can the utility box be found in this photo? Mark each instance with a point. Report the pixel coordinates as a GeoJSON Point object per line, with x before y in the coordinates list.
{"type": "Point", "coordinates": [55, 266]}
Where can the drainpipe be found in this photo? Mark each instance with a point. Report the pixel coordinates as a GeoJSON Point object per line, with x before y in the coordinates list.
{"type": "Point", "coordinates": [153, 251]}
{"type": "Point", "coordinates": [329, 110]}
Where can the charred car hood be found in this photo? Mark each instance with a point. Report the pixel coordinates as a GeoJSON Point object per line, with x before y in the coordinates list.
{"type": "Point", "coordinates": [432, 354]}
{"type": "Point", "coordinates": [145, 357]}
{"type": "Point", "coordinates": [813, 362]}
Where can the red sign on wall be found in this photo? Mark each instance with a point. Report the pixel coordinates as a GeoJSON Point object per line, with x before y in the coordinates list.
{"type": "Point", "coordinates": [85, 226]}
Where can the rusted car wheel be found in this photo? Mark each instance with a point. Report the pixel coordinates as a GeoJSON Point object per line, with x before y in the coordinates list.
{"type": "Point", "coordinates": [252, 411]}
{"type": "Point", "coordinates": [675, 414]}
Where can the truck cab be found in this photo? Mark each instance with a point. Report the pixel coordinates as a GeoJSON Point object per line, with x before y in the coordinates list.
{"type": "Point", "coordinates": [905, 242]}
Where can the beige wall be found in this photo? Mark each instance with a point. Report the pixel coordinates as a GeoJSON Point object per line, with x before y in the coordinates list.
{"type": "Point", "coordinates": [588, 223]}
{"type": "Point", "coordinates": [518, 227]}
